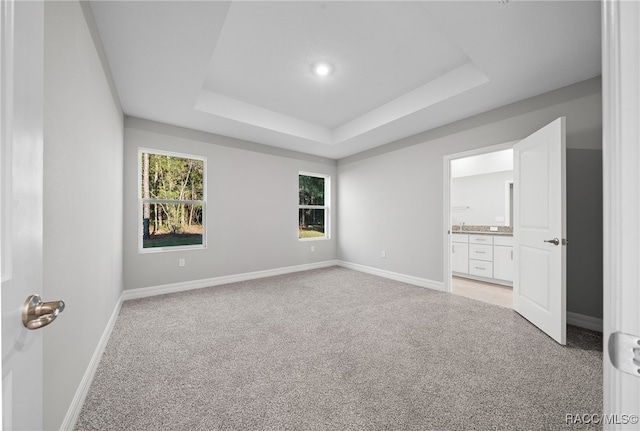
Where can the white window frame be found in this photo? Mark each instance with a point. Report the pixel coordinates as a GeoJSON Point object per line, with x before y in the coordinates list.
{"type": "Point", "coordinates": [326, 207]}
{"type": "Point", "coordinates": [142, 201]}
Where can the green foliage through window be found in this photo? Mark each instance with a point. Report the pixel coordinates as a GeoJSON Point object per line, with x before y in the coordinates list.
{"type": "Point", "coordinates": [311, 206]}
{"type": "Point", "coordinates": [172, 192]}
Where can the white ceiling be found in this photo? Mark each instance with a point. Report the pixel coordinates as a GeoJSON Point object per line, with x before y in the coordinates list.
{"type": "Point", "coordinates": [243, 68]}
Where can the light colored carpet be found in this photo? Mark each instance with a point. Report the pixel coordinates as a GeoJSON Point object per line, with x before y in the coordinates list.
{"type": "Point", "coordinates": [336, 349]}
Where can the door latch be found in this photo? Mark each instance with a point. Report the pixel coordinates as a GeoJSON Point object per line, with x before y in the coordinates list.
{"type": "Point", "coordinates": [624, 352]}
{"type": "Point", "coordinates": [556, 241]}
{"type": "Point", "coordinates": [36, 314]}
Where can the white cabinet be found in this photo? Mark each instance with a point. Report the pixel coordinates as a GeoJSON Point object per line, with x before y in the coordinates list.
{"type": "Point", "coordinates": [460, 253]}
{"type": "Point", "coordinates": [503, 258]}
{"type": "Point", "coordinates": [481, 239]}
{"type": "Point", "coordinates": [481, 255]}
{"type": "Point", "coordinates": [481, 268]}
{"type": "Point", "coordinates": [481, 252]}
{"type": "Point", "coordinates": [485, 257]}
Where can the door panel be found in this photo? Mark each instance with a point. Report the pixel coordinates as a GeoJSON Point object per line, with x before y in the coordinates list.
{"type": "Point", "coordinates": [21, 72]}
{"type": "Point", "coordinates": [534, 276]}
{"type": "Point", "coordinates": [539, 285]}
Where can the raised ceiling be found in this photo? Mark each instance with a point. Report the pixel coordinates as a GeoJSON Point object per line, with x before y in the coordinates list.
{"type": "Point", "coordinates": [243, 68]}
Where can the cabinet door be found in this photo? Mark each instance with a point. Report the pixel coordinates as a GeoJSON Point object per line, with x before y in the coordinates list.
{"type": "Point", "coordinates": [460, 257]}
{"type": "Point", "coordinates": [503, 262]}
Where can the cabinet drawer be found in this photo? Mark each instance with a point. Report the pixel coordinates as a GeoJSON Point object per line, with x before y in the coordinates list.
{"type": "Point", "coordinates": [481, 268]}
{"type": "Point", "coordinates": [460, 237]}
{"type": "Point", "coordinates": [481, 239]}
{"type": "Point", "coordinates": [481, 252]}
{"type": "Point", "coordinates": [503, 240]}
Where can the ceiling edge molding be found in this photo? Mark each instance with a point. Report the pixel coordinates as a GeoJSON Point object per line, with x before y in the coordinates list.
{"type": "Point", "coordinates": [446, 86]}
{"type": "Point", "coordinates": [233, 109]}
{"type": "Point", "coordinates": [586, 88]}
{"type": "Point", "coordinates": [450, 84]}
{"type": "Point", "coordinates": [131, 122]}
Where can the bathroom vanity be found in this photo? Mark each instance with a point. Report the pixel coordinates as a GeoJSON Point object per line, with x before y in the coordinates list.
{"type": "Point", "coordinates": [484, 256]}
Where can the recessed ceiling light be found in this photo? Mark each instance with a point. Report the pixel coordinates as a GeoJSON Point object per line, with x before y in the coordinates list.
{"type": "Point", "coordinates": [322, 69]}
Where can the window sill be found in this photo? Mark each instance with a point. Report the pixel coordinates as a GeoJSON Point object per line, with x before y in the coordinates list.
{"type": "Point", "coordinates": [169, 249]}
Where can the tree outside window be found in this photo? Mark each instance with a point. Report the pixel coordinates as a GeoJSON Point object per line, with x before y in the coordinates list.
{"type": "Point", "coordinates": [172, 199]}
{"type": "Point", "coordinates": [313, 208]}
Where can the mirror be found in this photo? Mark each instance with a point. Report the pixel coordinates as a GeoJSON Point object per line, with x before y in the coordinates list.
{"type": "Point", "coordinates": [482, 189]}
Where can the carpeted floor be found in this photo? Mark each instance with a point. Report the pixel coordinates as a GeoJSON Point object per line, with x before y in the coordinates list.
{"type": "Point", "coordinates": [336, 349]}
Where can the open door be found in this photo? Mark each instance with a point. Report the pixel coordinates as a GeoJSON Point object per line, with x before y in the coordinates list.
{"type": "Point", "coordinates": [21, 92]}
{"type": "Point", "coordinates": [539, 228]}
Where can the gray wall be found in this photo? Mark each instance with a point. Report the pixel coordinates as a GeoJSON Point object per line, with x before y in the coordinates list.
{"type": "Point", "coordinates": [391, 197]}
{"type": "Point", "coordinates": [484, 194]}
{"type": "Point", "coordinates": [252, 208]}
{"type": "Point", "coordinates": [584, 231]}
{"type": "Point", "coordinates": [82, 246]}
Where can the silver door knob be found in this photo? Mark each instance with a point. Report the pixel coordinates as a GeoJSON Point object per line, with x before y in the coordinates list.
{"type": "Point", "coordinates": [36, 314]}
{"type": "Point", "coordinates": [554, 241]}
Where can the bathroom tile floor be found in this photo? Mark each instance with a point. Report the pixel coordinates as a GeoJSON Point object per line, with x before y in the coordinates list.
{"type": "Point", "coordinates": [492, 293]}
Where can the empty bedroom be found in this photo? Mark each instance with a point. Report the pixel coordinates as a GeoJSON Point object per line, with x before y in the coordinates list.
{"type": "Point", "coordinates": [242, 215]}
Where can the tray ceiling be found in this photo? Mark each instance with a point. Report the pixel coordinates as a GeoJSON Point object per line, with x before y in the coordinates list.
{"type": "Point", "coordinates": [243, 69]}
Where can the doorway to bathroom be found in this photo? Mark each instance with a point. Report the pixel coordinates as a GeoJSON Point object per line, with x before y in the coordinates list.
{"type": "Point", "coordinates": [480, 204]}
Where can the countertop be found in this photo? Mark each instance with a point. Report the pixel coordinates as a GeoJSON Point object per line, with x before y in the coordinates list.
{"type": "Point", "coordinates": [482, 230]}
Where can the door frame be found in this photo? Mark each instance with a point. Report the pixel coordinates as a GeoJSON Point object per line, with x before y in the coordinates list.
{"type": "Point", "coordinates": [447, 159]}
{"type": "Point", "coordinates": [621, 236]}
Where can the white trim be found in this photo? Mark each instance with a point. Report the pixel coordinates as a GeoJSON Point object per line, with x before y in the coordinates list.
{"type": "Point", "coordinates": [75, 407]}
{"type": "Point", "coordinates": [410, 279]}
{"type": "Point", "coordinates": [620, 109]}
{"type": "Point", "coordinates": [144, 292]}
{"type": "Point", "coordinates": [176, 154]}
{"type": "Point", "coordinates": [484, 279]}
{"type": "Point", "coordinates": [584, 321]}
{"type": "Point", "coordinates": [611, 180]}
{"type": "Point", "coordinates": [508, 203]}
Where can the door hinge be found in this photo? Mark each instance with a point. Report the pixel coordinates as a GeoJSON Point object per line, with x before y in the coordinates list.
{"type": "Point", "coordinates": [624, 352]}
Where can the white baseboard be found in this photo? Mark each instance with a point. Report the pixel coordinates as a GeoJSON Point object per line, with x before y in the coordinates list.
{"type": "Point", "coordinates": [216, 281]}
{"type": "Point", "coordinates": [410, 279]}
{"type": "Point", "coordinates": [584, 321]}
{"type": "Point", "coordinates": [70, 419]}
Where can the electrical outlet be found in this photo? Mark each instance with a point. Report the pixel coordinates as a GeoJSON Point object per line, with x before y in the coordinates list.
{"type": "Point", "coordinates": [383, 253]}
{"type": "Point", "coordinates": [181, 262]}
{"type": "Point", "coordinates": [313, 248]}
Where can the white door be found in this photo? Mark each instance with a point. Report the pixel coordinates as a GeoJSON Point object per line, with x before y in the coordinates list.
{"type": "Point", "coordinates": [21, 209]}
{"type": "Point", "coordinates": [621, 186]}
{"type": "Point", "coordinates": [539, 226]}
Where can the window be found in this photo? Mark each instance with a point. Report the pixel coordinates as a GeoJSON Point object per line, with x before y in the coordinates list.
{"type": "Point", "coordinates": [172, 200]}
{"type": "Point", "coordinates": [313, 206]}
